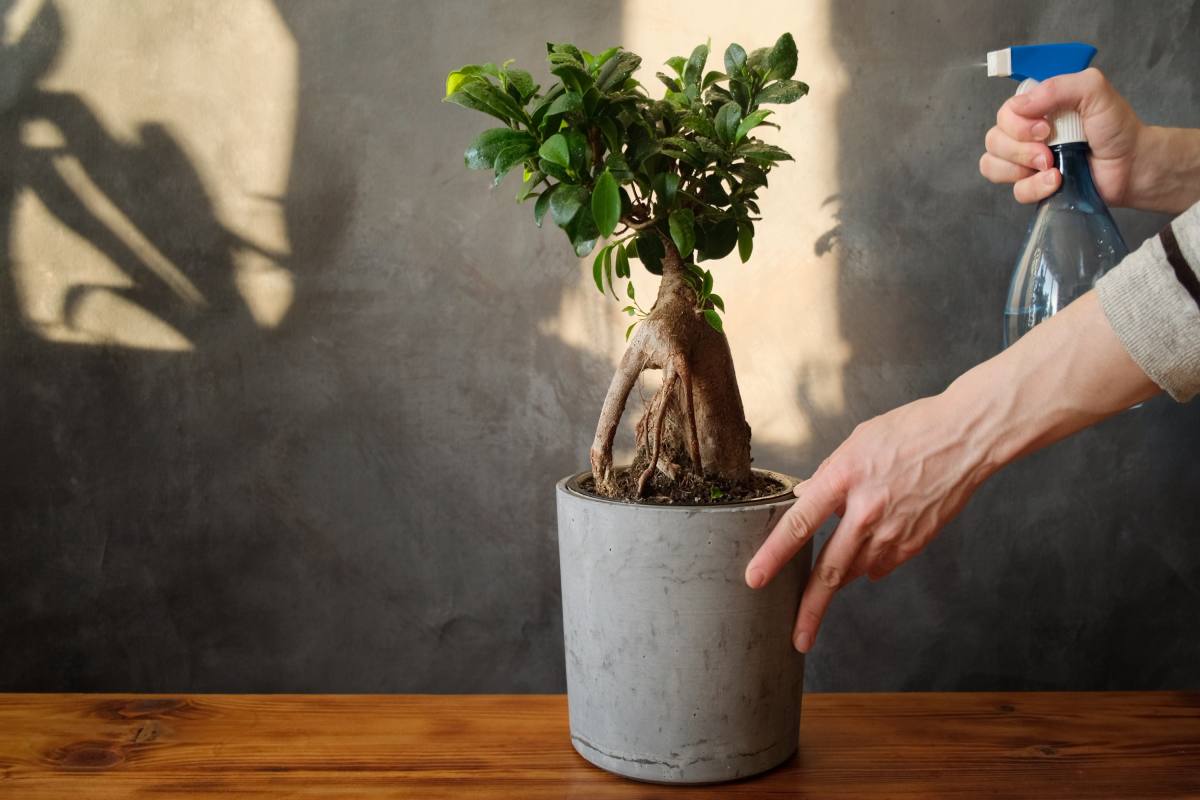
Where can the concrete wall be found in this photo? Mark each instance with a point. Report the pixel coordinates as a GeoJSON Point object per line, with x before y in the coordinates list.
{"type": "Point", "coordinates": [285, 388]}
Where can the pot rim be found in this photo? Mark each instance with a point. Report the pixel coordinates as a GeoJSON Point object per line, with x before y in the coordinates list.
{"type": "Point", "coordinates": [570, 485]}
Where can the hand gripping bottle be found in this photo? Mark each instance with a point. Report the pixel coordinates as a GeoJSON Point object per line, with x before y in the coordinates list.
{"type": "Point", "coordinates": [1072, 239]}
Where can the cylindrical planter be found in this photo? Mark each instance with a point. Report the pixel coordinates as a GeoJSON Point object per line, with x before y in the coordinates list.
{"type": "Point", "coordinates": [677, 672]}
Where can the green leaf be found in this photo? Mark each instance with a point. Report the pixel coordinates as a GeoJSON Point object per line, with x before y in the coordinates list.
{"type": "Point", "coordinates": [782, 92]}
{"type": "Point", "coordinates": [695, 65]}
{"type": "Point", "coordinates": [566, 202]}
{"type": "Point", "coordinates": [623, 265]}
{"type": "Point", "coordinates": [669, 82]}
{"type": "Point", "coordinates": [781, 62]}
{"type": "Point", "coordinates": [577, 148]}
{"type": "Point", "coordinates": [712, 77]}
{"type": "Point", "coordinates": [522, 81]}
{"type": "Point", "coordinates": [582, 232]}
{"type": "Point", "coordinates": [727, 120]}
{"type": "Point", "coordinates": [509, 157]}
{"type": "Point", "coordinates": [555, 171]}
{"type": "Point", "coordinates": [714, 319]}
{"type": "Point", "coordinates": [629, 330]}
{"type": "Point", "coordinates": [735, 59]}
{"type": "Point", "coordinates": [556, 151]}
{"type": "Point", "coordinates": [530, 184]}
{"type": "Point", "coordinates": [629, 290]}
{"type": "Point", "coordinates": [683, 232]}
{"type": "Point", "coordinates": [598, 269]}
{"type": "Point", "coordinates": [720, 239]}
{"type": "Point", "coordinates": [481, 154]}
{"type": "Point", "coordinates": [608, 271]}
{"type": "Point", "coordinates": [745, 241]}
{"type": "Point", "coordinates": [707, 285]}
{"type": "Point", "coordinates": [496, 102]}
{"type": "Point", "coordinates": [665, 184]}
{"type": "Point", "coordinates": [567, 101]}
{"type": "Point", "coordinates": [761, 151]}
{"type": "Point", "coordinates": [457, 78]}
{"type": "Point", "coordinates": [543, 203]}
{"type": "Point", "coordinates": [650, 251]}
{"type": "Point", "coordinates": [614, 73]}
{"type": "Point", "coordinates": [603, 58]}
{"type": "Point", "coordinates": [716, 300]}
{"type": "Point", "coordinates": [715, 493]}
{"type": "Point", "coordinates": [606, 203]}
{"type": "Point", "coordinates": [751, 122]}
{"type": "Point", "coordinates": [615, 163]}
{"type": "Point", "coordinates": [468, 100]}
{"type": "Point", "coordinates": [677, 63]}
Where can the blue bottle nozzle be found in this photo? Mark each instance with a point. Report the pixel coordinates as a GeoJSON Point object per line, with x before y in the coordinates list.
{"type": "Point", "coordinates": [1039, 61]}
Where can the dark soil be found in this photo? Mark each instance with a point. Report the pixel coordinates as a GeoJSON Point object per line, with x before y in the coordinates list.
{"type": "Point", "coordinates": [689, 490]}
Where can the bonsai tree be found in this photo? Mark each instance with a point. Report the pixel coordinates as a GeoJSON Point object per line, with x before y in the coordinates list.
{"type": "Point", "coordinates": [669, 183]}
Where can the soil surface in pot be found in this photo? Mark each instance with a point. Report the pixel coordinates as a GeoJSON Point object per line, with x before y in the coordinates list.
{"type": "Point", "coordinates": [690, 489]}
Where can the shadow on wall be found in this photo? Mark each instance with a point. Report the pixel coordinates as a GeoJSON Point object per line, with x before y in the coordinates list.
{"type": "Point", "coordinates": [356, 499]}
{"type": "Point", "coordinates": [1075, 568]}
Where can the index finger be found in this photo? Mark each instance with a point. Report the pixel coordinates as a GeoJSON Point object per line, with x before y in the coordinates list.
{"type": "Point", "coordinates": [819, 499]}
{"type": "Point", "coordinates": [1019, 126]}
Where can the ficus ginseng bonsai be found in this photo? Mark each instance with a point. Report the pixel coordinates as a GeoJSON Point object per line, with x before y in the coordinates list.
{"type": "Point", "coordinates": [669, 182]}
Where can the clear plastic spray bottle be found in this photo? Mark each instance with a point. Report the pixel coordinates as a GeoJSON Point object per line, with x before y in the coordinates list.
{"type": "Point", "coordinates": [1072, 239]}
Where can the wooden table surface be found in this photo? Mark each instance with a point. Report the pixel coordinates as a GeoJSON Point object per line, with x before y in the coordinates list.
{"type": "Point", "coordinates": [1043, 745]}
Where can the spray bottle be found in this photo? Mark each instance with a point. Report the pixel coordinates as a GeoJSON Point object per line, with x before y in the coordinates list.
{"type": "Point", "coordinates": [1072, 239]}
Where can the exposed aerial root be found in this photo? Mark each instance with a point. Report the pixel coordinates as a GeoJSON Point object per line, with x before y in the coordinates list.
{"type": "Point", "coordinates": [670, 376]}
{"type": "Point", "coordinates": [684, 371]}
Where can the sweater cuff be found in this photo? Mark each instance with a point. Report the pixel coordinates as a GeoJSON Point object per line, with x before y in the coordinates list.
{"type": "Point", "coordinates": [1152, 301]}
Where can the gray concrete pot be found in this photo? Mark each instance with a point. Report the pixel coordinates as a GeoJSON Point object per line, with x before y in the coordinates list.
{"type": "Point", "coordinates": [677, 672]}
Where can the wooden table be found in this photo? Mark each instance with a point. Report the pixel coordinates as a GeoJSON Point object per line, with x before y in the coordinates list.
{"type": "Point", "coordinates": [1110, 745]}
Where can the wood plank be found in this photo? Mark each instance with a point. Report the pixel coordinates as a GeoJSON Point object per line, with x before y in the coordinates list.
{"type": "Point", "coordinates": [512, 746]}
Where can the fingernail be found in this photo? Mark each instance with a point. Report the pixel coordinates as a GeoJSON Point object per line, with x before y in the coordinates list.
{"type": "Point", "coordinates": [803, 641]}
{"type": "Point", "coordinates": [1042, 161]}
{"type": "Point", "coordinates": [1049, 177]}
{"type": "Point", "coordinates": [755, 578]}
{"type": "Point", "coordinates": [798, 488]}
{"type": "Point", "coordinates": [1020, 101]}
{"type": "Point", "coordinates": [1041, 130]}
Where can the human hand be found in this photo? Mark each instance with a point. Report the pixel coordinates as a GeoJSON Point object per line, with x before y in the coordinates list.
{"type": "Point", "coordinates": [1016, 149]}
{"type": "Point", "coordinates": [894, 482]}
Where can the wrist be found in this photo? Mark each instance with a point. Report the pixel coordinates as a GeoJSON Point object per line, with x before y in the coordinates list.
{"type": "Point", "coordinates": [981, 407]}
{"type": "Point", "coordinates": [1165, 172]}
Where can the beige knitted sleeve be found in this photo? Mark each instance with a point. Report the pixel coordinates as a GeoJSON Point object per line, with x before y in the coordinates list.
{"type": "Point", "coordinates": [1152, 301]}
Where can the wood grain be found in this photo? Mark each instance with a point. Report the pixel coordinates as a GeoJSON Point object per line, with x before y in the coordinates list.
{"type": "Point", "coordinates": [1102, 745]}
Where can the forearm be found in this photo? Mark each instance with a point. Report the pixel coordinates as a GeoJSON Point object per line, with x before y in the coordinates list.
{"type": "Point", "coordinates": [1166, 170]}
{"type": "Point", "coordinates": [1069, 372]}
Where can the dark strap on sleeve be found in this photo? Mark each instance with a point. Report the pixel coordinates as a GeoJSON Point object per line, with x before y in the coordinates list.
{"type": "Point", "coordinates": [1183, 271]}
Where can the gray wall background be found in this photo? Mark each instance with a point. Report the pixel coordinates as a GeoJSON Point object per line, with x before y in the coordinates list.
{"type": "Point", "coordinates": [360, 499]}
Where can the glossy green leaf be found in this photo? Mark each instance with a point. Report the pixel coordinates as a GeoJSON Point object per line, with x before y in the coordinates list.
{"type": "Point", "coordinates": [598, 269]}
{"type": "Point", "coordinates": [695, 65]}
{"type": "Point", "coordinates": [782, 92]}
{"type": "Point", "coordinates": [726, 121]}
{"type": "Point", "coordinates": [665, 184]}
{"type": "Point", "coordinates": [716, 300]}
{"type": "Point", "coordinates": [522, 81]}
{"type": "Point", "coordinates": [606, 203]}
{"type": "Point", "coordinates": [751, 122]}
{"type": "Point", "coordinates": [555, 150]}
{"type": "Point", "coordinates": [567, 101]}
{"type": "Point", "coordinates": [745, 241]}
{"type": "Point", "coordinates": [565, 203]}
{"type": "Point", "coordinates": [677, 63]}
{"type": "Point", "coordinates": [510, 157]}
{"type": "Point", "coordinates": [761, 151]}
{"type": "Point", "coordinates": [683, 233]}
{"type": "Point", "coordinates": [720, 238]}
{"type": "Point", "coordinates": [714, 319]}
{"type": "Point", "coordinates": [629, 290]}
{"type": "Point", "coordinates": [543, 203]}
{"type": "Point", "coordinates": [781, 62]}
{"type": "Point", "coordinates": [481, 154]}
{"type": "Point", "coordinates": [629, 330]}
{"type": "Point", "coordinates": [650, 252]}
{"type": "Point", "coordinates": [622, 264]}
{"type": "Point", "coordinates": [577, 149]}
{"type": "Point", "coordinates": [735, 59]}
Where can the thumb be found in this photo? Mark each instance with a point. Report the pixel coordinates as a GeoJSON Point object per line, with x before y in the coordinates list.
{"type": "Point", "coordinates": [1079, 91]}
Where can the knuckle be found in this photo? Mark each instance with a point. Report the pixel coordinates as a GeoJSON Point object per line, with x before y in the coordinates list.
{"type": "Point", "coordinates": [830, 576]}
{"type": "Point", "coordinates": [989, 139]}
{"type": "Point", "coordinates": [797, 527]}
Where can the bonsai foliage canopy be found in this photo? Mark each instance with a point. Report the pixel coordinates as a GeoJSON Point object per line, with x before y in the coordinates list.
{"type": "Point", "coordinates": [604, 158]}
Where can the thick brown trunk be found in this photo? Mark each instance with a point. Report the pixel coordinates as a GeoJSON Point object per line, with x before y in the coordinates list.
{"type": "Point", "coordinates": [696, 422]}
